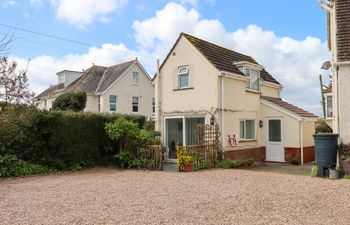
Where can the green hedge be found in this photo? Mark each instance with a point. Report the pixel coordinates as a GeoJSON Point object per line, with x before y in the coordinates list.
{"type": "Point", "coordinates": [58, 139]}
{"type": "Point", "coordinates": [70, 102]}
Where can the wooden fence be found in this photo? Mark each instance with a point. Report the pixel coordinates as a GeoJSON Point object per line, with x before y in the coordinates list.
{"type": "Point", "coordinates": [152, 157]}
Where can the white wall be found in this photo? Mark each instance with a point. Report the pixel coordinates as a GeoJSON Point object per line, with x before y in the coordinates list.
{"type": "Point", "coordinates": [125, 90]}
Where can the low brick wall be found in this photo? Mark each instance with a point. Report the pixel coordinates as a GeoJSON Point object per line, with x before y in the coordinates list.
{"type": "Point", "coordinates": [309, 154]}
{"type": "Point", "coordinates": [258, 154]}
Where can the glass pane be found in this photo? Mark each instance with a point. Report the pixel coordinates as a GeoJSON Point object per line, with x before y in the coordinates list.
{"type": "Point", "coordinates": [174, 136]}
{"type": "Point", "coordinates": [113, 99]}
{"type": "Point", "coordinates": [135, 78]}
{"type": "Point", "coordinates": [241, 125]}
{"type": "Point", "coordinates": [254, 79]}
{"type": "Point", "coordinates": [275, 130]}
{"type": "Point", "coordinates": [191, 130]}
{"type": "Point", "coordinates": [329, 106]}
{"type": "Point", "coordinates": [135, 108]}
{"type": "Point", "coordinates": [183, 81]}
{"type": "Point", "coordinates": [250, 129]}
{"type": "Point", "coordinates": [112, 107]}
{"type": "Point", "coordinates": [183, 70]}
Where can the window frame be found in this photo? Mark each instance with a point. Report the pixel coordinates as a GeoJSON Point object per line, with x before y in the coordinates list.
{"type": "Point", "coordinates": [327, 106]}
{"type": "Point", "coordinates": [113, 103]}
{"type": "Point", "coordinates": [183, 74]}
{"type": "Point", "coordinates": [135, 104]}
{"type": "Point", "coordinates": [245, 129]}
{"type": "Point", "coordinates": [137, 76]}
{"type": "Point", "coordinates": [99, 103]}
{"type": "Point", "coordinates": [249, 82]}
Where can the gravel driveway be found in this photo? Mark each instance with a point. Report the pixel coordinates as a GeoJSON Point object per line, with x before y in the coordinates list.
{"type": "Point", "coordinates": [108, 196]}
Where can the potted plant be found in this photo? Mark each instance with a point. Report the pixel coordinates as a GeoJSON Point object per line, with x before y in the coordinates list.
{"type": "Point", "coordinates": [344, 155]}
{"type": "Point", "coordinates": [184, 161]}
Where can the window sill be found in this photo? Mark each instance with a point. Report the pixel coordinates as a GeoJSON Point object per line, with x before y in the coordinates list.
{"type": "Point", "coordinates": [250, 140]}
{"type": "Point", "coordinates": [252, 91]}
{"type": "Point", "coordinates": [135, 84]}
{"type": "Point", "coordinates": [181, 89]}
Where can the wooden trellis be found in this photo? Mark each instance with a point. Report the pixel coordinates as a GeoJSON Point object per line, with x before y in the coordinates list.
{"type": "Point", "coordinates": [207, 148]}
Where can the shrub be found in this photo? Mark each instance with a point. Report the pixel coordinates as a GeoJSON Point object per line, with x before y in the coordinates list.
{"type": "Point", "coordinates": [344, 151]}
{"type": "Point", "coordinates": [322, 127]}
{"type": "Point", "coordinates": [128, 132]}
{"type": "Point", "coordinates": [70, 101]}
{"type": "Point", "coordinates": [58, 139]}
{"type": "Point", "coordinates": [128, 160]}
{"type": "Point", "coordinates": [11, 166]}
{"type": "Point", "coordinates": [226, 164]}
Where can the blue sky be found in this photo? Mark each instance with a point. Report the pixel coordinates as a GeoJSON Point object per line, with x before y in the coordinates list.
{"type": "Point", "coordinates": [287, 37]}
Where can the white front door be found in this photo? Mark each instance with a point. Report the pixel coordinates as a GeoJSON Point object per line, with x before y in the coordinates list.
{"type": "Point", "coordinates": [274, 143]}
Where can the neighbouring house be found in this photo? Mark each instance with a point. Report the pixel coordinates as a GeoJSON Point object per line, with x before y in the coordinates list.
{"type": "Point", "coordinates": [124, 88]}
{"type": "Point", "coordinates": [200, 82]}
{"type": "Point", "coordinates": [338, 94]}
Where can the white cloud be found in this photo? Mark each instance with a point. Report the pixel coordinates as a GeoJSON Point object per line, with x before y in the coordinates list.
{"type": "Point", "coordinates": [295, 63]}
{"type": "Point", "coordinates": [9, 3]}
{"type": "Point", "coordinates": [83, 12]}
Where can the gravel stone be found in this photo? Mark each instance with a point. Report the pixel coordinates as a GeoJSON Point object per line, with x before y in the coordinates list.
{"type": "Point", "coordinates": [217, 196]}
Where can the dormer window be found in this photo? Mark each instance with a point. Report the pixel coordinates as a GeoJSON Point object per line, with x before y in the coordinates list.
{"type": "Point", "coordinates": [61, 78]}
{"type": "Point", "coordinates": [254, 79]}
{"type": "Point", "coordinates": [183, 76]}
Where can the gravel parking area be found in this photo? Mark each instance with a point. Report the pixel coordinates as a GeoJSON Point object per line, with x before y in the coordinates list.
{"type": "Point", "coordinates": [109, 196]}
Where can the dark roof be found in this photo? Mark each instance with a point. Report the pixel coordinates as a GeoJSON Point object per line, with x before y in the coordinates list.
{"type": "Point", "coordinates": [220, 57]}
{"type": "Point", "coordinates": [289, 107]}
{"type": "Point", "coordinates": [343, 29]}
{"type": "Point", "coordinates": [112, 74]}
{"type": "Point", "coordinates": [50, 91]}
{"type": "Point", "coordinates": [88, 82]}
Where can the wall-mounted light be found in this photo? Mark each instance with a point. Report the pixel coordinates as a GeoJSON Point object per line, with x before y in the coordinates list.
{"type": "Point", "coordinates": [212, 120]}
{"type": "Point", "coordinates": [260, 123]}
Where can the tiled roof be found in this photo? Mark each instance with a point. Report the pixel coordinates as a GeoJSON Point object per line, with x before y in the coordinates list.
{"type": "Point", "coordinates": [50, 91]}
{"type": "Point", "coordinates": [112, 74]}
{"type": "Point", "coordinates": [223, 58]}
{"type": "Point", "coordinates": [289, 107]}
{"type": "Point", "coordinates": [343, 29]}
{"type": "Point", "coordinates": [88, 82]}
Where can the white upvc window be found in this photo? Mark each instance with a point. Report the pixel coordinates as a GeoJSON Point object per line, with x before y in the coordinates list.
{"type": "Point", "coordinates": [183, 76]}
{"type": "Point", "coordinates": [99, 103]}
{"type": "Point", "coordinates": [254, 79]}
{"type": "Point", "coordinates": [135, 104]}
{"type": "Point", "coordinates": [329, 106]}
{"type": "Point", "coordinates": [135, 78]}
{"type": "Point", "coordinates": [247, 129]}
{"type": "Point", "coordinates": [112, 103]}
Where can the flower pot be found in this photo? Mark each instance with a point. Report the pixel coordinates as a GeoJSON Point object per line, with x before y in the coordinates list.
{"type": "Point", "coordinates": [188, 167]}
{"type": "Point", "coordinates": [346, 166]}
{"type": "Point", "coordinates": [333, 174]}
